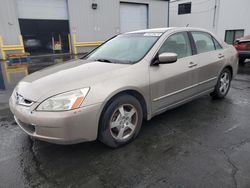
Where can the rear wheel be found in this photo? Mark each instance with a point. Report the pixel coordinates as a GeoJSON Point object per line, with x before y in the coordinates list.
{"type": "Point", "coordinates": [223, 85]}
{"type": "Point", "coordinates": [121, 121]}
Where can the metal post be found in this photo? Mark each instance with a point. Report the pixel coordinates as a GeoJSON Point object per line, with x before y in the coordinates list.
{"type": "Point", "coordinates": [53, 43]}
{"type": "Point", "coordinates": [60, 41]}
{"type": "Point", "coordinates": [74, 44]}
{"type": "Point", "coordinates": [70, 47]}
{"type": "Point", "coordinates": [2, 50]}
{"type": "Point", "coordinates": [21, 43]}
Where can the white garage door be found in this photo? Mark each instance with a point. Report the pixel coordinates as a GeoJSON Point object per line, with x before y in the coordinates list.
{"type": "Point", "coordinates": [42, 9]}
{"type": "Point", "coordinates": [133, 17]}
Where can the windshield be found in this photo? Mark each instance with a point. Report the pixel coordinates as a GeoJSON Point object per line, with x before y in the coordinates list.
{"type": "Point", "coordinates": [126, 48]}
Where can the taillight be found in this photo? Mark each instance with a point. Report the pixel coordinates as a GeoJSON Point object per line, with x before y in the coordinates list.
{"type": "Point", "coordinates": [241, 46]}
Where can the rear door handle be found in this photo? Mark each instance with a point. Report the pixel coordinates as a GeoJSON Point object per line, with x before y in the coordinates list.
{"type": "Point", "coordinates": [221, 56]}
{"type": "Point", "coordinates": [192, 64]}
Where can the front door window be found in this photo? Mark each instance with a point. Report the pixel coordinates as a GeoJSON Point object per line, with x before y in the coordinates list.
{"type": "Point", "coordinates": [177, 43]}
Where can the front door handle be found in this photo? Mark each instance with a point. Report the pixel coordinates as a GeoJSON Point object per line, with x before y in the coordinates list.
{"type": "Point", "coordinates": [192, 64]}
{"type": "Point", "coordinates": [220, 56]}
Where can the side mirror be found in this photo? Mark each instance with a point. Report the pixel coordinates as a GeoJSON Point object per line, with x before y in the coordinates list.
{"type": "Point", "coordinates": [166, 58]}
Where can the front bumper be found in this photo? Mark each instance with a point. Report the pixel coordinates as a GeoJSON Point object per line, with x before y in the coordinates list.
{"type": "Point", "coordinates": [66, 127]}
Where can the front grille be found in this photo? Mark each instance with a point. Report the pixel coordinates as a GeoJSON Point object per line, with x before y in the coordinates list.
{"type": "Point", "coordinates": [27, 127]}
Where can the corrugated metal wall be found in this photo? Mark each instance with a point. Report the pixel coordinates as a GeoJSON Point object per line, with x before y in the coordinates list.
{"type": "Point", "coordinates": [93, 25]}
{"type": "Point", "coordinates": [9, 26]}
{"type": "Point", "coordinates": [104, 22]}
{"type": "Point", "coordinates": [42, 9]}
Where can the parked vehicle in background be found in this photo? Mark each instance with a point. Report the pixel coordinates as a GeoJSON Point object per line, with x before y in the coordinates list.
{"type": "Point", "coordinates": [243, 47]}
{"type": "Point", "coordinates": [32, 44]}
{"type": "Point", "coordinates": [131, 77]}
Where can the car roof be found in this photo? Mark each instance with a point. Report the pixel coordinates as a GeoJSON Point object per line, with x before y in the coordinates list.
{"type": "Point", "coordinates": [163, 30]}
{"type": "Point", "coordinates": [157, 30]}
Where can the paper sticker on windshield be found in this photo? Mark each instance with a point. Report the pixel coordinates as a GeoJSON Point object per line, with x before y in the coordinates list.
{"type": "Point", "coordinates": [152, 34]}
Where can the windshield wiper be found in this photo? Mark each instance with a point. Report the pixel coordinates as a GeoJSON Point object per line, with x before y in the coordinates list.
{"type": "Point", "coordinates": [114, 61]}
{"type": "Point", "coordinates": [104, 60]}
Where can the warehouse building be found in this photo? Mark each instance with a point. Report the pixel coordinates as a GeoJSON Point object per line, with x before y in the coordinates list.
{"type": "Point", "coordinates": [229, 19]}
{"type": "Point", "coordinates": [62, 26]}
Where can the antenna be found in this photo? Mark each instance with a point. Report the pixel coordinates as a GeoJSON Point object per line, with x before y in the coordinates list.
{"type": "Point", "coordinates": [187, 25]}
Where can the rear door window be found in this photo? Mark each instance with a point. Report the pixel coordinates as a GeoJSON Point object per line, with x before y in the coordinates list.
{"type": "Point", "coordinates": [203, 41]}
{"type": "Point", "coordinates": [217, 44]}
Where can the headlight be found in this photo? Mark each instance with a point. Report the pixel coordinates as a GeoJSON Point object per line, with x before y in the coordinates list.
{"type": "Point", "coordinates": [65, 101]}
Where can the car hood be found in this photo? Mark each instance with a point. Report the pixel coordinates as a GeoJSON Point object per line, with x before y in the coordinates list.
{"type": "Point", "coordinates": [65, 77]}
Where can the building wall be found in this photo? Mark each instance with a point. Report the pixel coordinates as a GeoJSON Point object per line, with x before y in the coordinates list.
{"type": "Point", "coordinates": [202, 13]}
{"type": "Point", "coordinates": [233, 15]}
{"type": "Point", "coordinates": [228, 15]}
{"type": "Point", "coordinates": [86, 23]}
{"type": "Point", "coordinates": [42, 9]}
{"type": "Point", "coordinates": [9, 26]}
{"type": "Point", "coordinates": [97, 25]}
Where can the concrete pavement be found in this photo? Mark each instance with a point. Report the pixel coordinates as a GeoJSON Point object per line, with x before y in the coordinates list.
{"type": "Point", "coordinates": [205, 143]}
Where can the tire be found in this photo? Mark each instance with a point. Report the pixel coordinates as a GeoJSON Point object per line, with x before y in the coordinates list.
{"type": "Point", "coordinates": [223, 84]}
{"type": "Point", "coordinates": [116, 127]}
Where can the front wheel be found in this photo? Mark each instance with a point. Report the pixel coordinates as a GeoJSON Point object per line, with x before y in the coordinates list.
{"type": "Point", "coordinates": [223, 84]}
{"type": "Point", "coordinates": [121, 121]}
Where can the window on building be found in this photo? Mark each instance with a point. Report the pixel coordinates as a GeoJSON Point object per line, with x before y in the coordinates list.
{"type": "Point", "coordinates": [232, 35]}
{"type": "Point", "coordinates": [184, 8]}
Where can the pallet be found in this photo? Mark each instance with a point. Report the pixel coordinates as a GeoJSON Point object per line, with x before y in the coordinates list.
{"type": "Point", "coordinates": [18, 58]}
{"type": "Point", "coordinates": [17, 55]}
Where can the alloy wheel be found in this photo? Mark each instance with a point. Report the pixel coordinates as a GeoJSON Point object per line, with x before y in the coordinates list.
{"type": "Point", "coordinates": [224, 83]}
{"type": "Point", "coordinates": [123, 122]}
